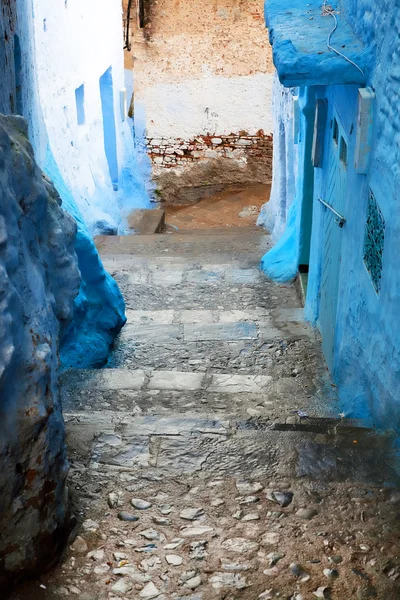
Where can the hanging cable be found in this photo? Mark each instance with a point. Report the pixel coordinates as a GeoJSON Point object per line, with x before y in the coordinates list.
{"type": "Point", "coordinates": [328, 10]}
{"type": "Point", "coordinates": [128, 45]}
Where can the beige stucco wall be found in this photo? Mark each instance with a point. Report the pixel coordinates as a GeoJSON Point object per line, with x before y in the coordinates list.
{"type": "Point", "coordinates": [203, 68]}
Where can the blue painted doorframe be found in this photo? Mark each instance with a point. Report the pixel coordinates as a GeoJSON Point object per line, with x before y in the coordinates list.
{"type": "Point", "coordinates": [335, 196]}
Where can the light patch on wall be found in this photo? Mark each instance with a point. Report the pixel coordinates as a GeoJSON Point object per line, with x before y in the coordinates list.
{"type": "Point", "coordinates": [80, 104]}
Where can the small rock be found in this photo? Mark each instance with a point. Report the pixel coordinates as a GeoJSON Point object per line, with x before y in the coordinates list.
{"type": "Point", "coordinates": [140, 504]}
{"type": "Point", "coordinates": [149, 591]}
{"type": "Point", "coordinates": [296, 570]}
{"type": "Point", "coordinates": [249, 500]}
{"type": "Point", "coordinates": [79, 546]}
{"type": "Point", "coordinates": [196, 531]}
{"type": "Point", "coordinates": [191, 514]}
{"type": "Point", "coordinates": [123, 586]}
{"type": "Point", "coordinates": [96, 554]}
{"type": "Point", "coordinates": [112, 500]}
{"type": "Point", "coordinates": [176, 542]}
{"type": "Point", "coordinates": [101, 569]}
{"type": "Point", "coordinates": [267, 595]}
{"type": "Point", "coordinates": [336, 560]}
{"type": "Point", "coordinates": [228, 580]}
{"type": "Point", "coordinates": [120, 556]}
{"type": "Point", "coordinates": [252, 517]}
{"type": "Point", "coordinates": [198, 550]}
{"type": "Point", "coordinates": [151, 564]}
{"type": "Point", "coordinates": [235, 566]}
{"type": "Point", "coordinates": [74, 590]}
{"type": "Point", "coordinates": [247, 487]}
{"type": "Point", "coordinates": [274, 558]}
{"type": "Point", "coordinates": [270, 539]}
{"type": "Point", "coordinates": [193, 583]}
{"type": "Point", "coordinates": [90, 525]}
{"type": "Point", "coordinates": [331, 573]}
{"type": "Point", "coordinates": [239, 545]}
{"type": "Point", "coordinates": [174, 559]}
{"type": "Point", "coordinates": [217, 502]}
{"type": "Point", "coordinates": [126, 516]}
{"type": "Point", "coordinates": [323, 592]}
{"type": "Point", "coordinates": [150, 534]}
{"type": "Point", "coordinates": [165, 509]}
{"type": "Point", "coordinates": [186, 575]}
{"type": "Point", "coordinates": [281, 498]}
{"type": "Point", "coordinates": [306, 513]}
{"type": "Point", "coordinates": [238, 514]}
{"type": "Point", "coordinates": [162, 521]}
{"type": "Point", "coordinates": [273, 572]}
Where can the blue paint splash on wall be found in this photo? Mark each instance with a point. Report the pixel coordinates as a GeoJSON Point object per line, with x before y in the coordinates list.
{"type": "Point", "coordinates": [99, 311]}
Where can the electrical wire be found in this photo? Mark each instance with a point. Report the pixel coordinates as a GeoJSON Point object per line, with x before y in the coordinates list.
{"type": "Point", "coordinates": [327, 10]}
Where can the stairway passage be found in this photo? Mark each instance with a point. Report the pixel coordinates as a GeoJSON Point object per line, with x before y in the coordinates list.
{"type": "Point", "coordinates": [209, 459]}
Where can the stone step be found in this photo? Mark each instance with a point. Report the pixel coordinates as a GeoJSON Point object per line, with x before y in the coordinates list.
{"type": "Point", "coordinates": [331, 450]}
{"type": "Point", "coordinates": [147, 221]}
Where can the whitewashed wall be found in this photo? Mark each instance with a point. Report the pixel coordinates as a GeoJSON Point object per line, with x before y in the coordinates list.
{"type": "Point", "coordinates": [212, 104]}
{"type": "Point", "coordinates": [76, 41]}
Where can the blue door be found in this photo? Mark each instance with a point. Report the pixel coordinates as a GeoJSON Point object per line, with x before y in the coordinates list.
{"type": "Point", "coordinates": [335, 191]}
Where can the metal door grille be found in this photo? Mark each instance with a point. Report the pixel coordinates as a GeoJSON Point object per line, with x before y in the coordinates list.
{"type": "Point", "coordinates": [374, 242]}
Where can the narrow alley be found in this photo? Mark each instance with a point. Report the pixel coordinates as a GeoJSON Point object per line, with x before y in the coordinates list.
{"type": "Point", "coordinates": [208, 460]}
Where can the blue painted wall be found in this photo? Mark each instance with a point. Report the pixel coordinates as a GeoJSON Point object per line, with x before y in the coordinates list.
{"type": "Point", "coordinates": [366, 364]}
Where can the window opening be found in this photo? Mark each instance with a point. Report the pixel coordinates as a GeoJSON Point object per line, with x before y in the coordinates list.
{"type": "Point", "coordinates": [343, 151]}
{"type": "Point", "coordinates": [80, 104]}
{"type": "Point", "coordinates": [141, 14]}
{"type": "Point", "coordinates": [335, 131]}
{"type": "Point", "coordinates": [374, 242]}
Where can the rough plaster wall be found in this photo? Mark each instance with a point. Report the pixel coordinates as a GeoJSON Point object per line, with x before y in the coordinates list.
{"type": "Point", "coordinates": [99, 308]}
{"type": "Point", "coordinates": [203, 67]}
{"type": "Point", "coordinates": [39, 280]}
{"type": "Point", "coordinates": [367, 351]}
{"type": "Point", "coordinates": [273, 214]}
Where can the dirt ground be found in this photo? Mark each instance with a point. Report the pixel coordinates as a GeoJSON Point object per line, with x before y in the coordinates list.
{"type": "Point", "coordinates": [234, 207]}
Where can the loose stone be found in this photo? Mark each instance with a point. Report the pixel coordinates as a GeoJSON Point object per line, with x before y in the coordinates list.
{"type": "Point", "coordinates": [79, 546]}
{"type": "Point", "coordinates": [150, 534]}
{"type": "Point", "coordinates": [284, 499]}
{"type": "Point", "coordinates": [274, 558]}
{"type": "Point", "coordinates": [174, 559]}
{"type": "Point", "coordinates": [101, 569]}
{"type": "Point", "coordinates": [249, 500]}
{"type": "Point", "coordinates": [193, 583]}
{"type": "Point", "coordinates": [198, 550]}
{"type": "Point", "coordinates": [270, 539]}
{"type": "Point", "coordinates": [176, 542]}
{"type": "Point", "coordinates": [295, 570]}
{"type": "Point", "coordinates": [112, 500]}
{"type": "Point", "coordinates": [126, 516]}
{"type": "Point", "coordinates": [322, 592]}
{"type": "Point", "coordinates": [191, 514]}
{"type": "Point", "coordinates": [162, 521]}
{"type": "Point", "coordinates": [251, 517]}
{"type": "Point", "coordinates": [165, 509]}
{"type": "Point", "coordinates": [331, 573]}
{"type": "Point", "coordinates": [196, 531]}
{"type": "Point", "coordinates": [140, 504]}
{"type": "Point", "coordinates": [96, 554]}
{"type": "Point", "coordinates": [217, 502]}
{"type": "Point", "coordinates": [336, 560]}
{"type": "Point", "coordinates": [235, 566]}
{"type": "Point", "coordinates": [238, 514]}
{"type": "Point", "coordinates": [306, 513]}
{"type": "Point", "coordinates": [248, 487]}
{"type": "Point", "coordinates": [90, 525]}
{"type": "Point", "coordinates": [228, 580]}
{"type": "Point", "coordinates": [122, 587]}
{"type": "Point", "coordinates": [239, 545]}
{"type": "Point", "coordinates": [149, 591]}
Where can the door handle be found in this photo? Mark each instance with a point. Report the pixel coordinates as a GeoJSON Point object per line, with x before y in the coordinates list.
{"type": "Point", "coordinates": [340, 220]}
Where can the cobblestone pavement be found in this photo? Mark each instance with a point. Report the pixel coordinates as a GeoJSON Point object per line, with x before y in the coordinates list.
{"type": "Point", "coordinates": [209, 459]}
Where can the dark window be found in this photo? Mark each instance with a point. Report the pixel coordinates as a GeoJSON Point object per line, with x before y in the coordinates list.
{"type": "Point", "coordinates": [343, 151]}
{"type": "Point", "coordinates": [374, 242]}
{"type": "Point", "coordinates": [335, 131]}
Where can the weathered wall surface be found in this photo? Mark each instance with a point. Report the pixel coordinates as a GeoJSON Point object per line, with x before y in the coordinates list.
{"type": "Point", "coordinates": [367, 349]}
{"type": "Point", "coordinates": [80, 80]}
{"type": "Point", "coordinates": [203, 69]}
{"type": "Point", "coordinates": [39, 280]}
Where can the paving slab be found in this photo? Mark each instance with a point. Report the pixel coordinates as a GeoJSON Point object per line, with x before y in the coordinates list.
{"type": "Point", "coordinates": [220, 331]}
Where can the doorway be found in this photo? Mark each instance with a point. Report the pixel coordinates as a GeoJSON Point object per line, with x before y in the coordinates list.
{"type": "Point", "coordinates": [335, 193]}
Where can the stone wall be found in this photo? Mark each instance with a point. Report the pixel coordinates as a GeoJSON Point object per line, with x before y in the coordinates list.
{"type": "Point", "coordinates": [39, 280]}
{"type": "Point", "coordinates": [203, 70]}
